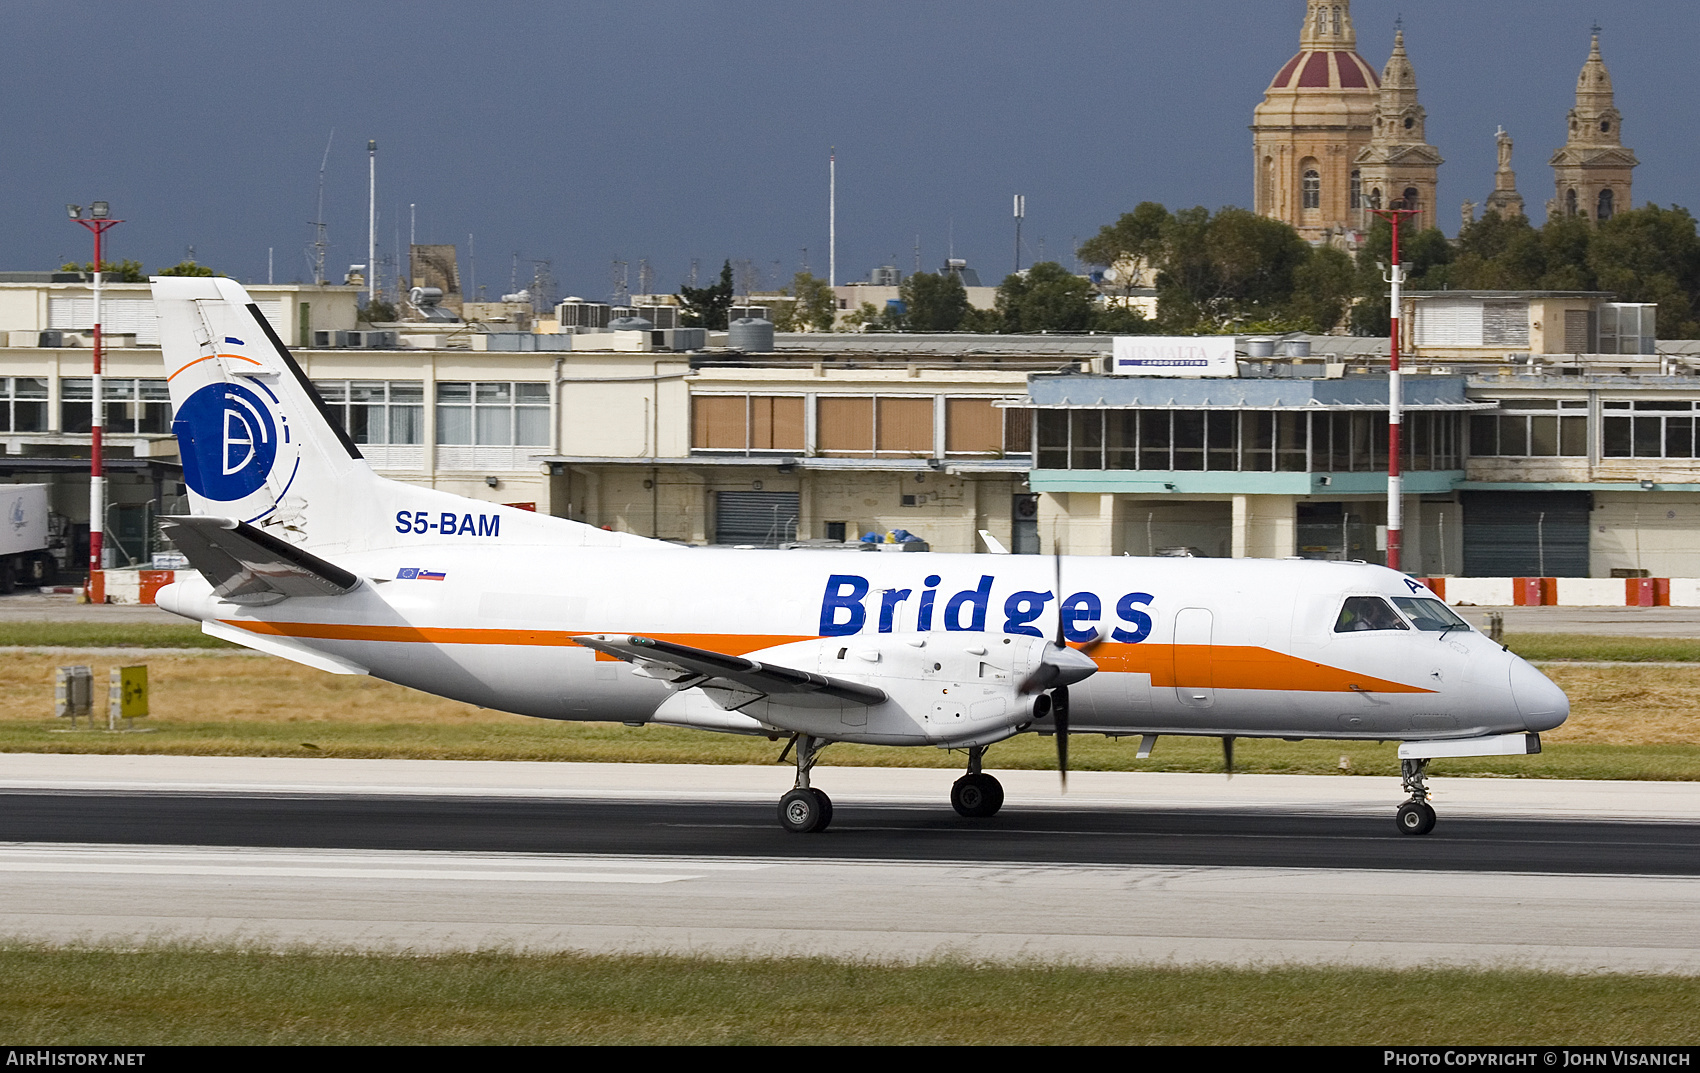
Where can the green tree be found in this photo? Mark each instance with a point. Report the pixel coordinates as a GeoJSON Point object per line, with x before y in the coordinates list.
{"type": "Point", "coordinates": [1045, 298]}
{"type": "Point", "coordinates": [935, 303]}
{"type": "Point", "coordinates": [1133, 246]}
{"type": "Point", "coordinates": [1652, 254]}
{"type": "Point", "coordinates": [122, 272]}
{"type": "Point", "coordinates": [1122, 320]}
{"type": "Point", "coordinates": [708, 307]}
{"type": "Point", "coordinates": [379, 311]}
{"type": "Point", "coordinates": [1225, 269]}
{"type": "Point", "coordinates": [865, 318]}
{"type": "Point", "coordinates": [1323, 288]}
{"type": "Point", "coordinates": [1429, 266]}
{"type": "Point", "coordinates": [816, 307]}
{"type": "Point", "coordinates": [187, 268]}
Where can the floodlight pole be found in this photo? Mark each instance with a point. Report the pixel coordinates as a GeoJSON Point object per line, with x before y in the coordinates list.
{"type": "Point", "coordinates": [98, 223]}
{"type": "Point", "coordinates": [1395, 394]}
{"type": "Point", "coordinates": [1020, 212]}
{"type": "Point", "coordinates": [371, 224]}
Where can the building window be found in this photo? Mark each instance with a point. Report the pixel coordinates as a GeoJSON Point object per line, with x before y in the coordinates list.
{"type": "Point", "coordinates": [1604, 209]}
{"type": "Point", "coordinates": [1657, 428]}
{"type": "Point", "coordinates": [1312, 189]}
{"type": "Point", "coordinates": [1251, 441]}
{"type": "Point", "coordinates": [493, 414]}
{"type": "Point", "coordinates": [973, 427]}
{"type": "Point", "coordinates": [1357, 190]}
{"type": "Point", "coordinates": [132, 406]}
{"type": "Point", "coordinates": [23, 404]}
{"type": "Point", "coordinates": [1375, 198]}
{"type": "Point", "coordinates": [1412, 198]}
{"type": "Point", "coordinates": [1627, 327]}
{"type": "Point", "coordinates": [747, 423]}
{"type": "Point", "coordinates": [1570, 203]}
{"type": "Point", "coordinates": [376, 411]}
{"type": "Point", "coordinates": [1532, 428]}
{"type": "Point", "coordinates": [887, 425]}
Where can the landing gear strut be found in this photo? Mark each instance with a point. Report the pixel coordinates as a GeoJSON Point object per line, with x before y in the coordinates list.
{"type": "Point", "coordinates": [1416, 816]}
{"type": "Point", "coordinates": [805, 809]}
{"type": "Point", "coordinates": [976, 795]}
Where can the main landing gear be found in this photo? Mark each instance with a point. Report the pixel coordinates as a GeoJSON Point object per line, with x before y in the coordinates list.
{"type": "Point", "coordinates": [1416, 816]}
{"type": "Point", "coordinates": [976, 795]}
{"type": "Point", "coordinates": [805, 809]}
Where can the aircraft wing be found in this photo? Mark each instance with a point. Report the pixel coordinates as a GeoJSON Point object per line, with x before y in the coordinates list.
{"type": "Point", "coordinates": [245, 565]}
{"type": "Point", "coordinates": [724, 677]}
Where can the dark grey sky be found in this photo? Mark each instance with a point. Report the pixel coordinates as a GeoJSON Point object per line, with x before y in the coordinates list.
{"type": "Point", "coordinates": [680, 129]}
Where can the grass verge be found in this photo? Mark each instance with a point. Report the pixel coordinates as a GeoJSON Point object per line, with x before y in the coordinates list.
{"type": "Point", "coordinates": [107, 635]}
{"type": "Point", "coordinates": [190, 996]}
{"type": "Point", "coordinates": [1627, 722]}
{"type": "Point", "coordinates": [1581, 646]}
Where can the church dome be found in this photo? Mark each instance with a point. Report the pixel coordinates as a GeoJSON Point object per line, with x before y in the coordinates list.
{"type": "Point", "coordinates": [1325, 69]}
{"type": "Point", "coordinates": [1318, 113]}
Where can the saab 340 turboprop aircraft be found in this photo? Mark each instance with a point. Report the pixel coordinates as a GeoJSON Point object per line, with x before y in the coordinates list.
{"type": "Point", "coordinates": [303, 552]}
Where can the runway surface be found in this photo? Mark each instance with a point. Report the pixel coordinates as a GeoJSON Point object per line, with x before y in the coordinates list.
{"type": "Point", "coordinates": [442, 855]}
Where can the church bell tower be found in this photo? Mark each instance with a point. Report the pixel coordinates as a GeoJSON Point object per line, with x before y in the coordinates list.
{"type": "Point", "coordinates": [1398, 169]}
{"type": "Point", "coordinates": [1592, 174]}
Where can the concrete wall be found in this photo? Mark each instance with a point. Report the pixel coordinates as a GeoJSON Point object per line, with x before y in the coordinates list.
{"type": "Point", "coordinates": [1652, 531]}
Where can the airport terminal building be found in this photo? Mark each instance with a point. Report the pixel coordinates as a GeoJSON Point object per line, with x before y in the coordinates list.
{"type": "Point", "coordinates": [1530, 450]}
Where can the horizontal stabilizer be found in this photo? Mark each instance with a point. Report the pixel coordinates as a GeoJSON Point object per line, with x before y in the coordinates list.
{"type": "Point", "coordinates": [742, 680]}
{"type": "Point", "coordinates": [247, 566]}
{"type": "Point", "coordinates": [285, 647]}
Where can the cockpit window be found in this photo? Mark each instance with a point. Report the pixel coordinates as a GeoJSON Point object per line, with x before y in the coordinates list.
{"type": "Point", "coordinates": [1367, 613]}
{"type": "Point", "coordinates": [1430, 615]}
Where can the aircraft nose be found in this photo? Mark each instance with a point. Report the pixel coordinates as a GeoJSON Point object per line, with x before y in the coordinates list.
{"type": "Point", "coordinates": [1541, 703]}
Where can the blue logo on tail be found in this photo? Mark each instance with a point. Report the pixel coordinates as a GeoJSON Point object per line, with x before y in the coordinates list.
{"type": "Point", "coordinates": [228, 441]}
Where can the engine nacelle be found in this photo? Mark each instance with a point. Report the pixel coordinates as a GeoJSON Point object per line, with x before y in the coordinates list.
{"type": "Point", "coordinates": [954, 689]}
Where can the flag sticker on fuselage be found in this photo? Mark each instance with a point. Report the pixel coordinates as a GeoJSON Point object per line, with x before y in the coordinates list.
{"type": "Point", "coordinates": [414, 573]}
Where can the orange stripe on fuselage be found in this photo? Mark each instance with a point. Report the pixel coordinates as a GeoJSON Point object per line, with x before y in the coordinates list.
{"type": "Point", "coordinates": [1215, 666]}
{"type": "Point", "coordinates": [1237, 667]}
{"type": "Point", "coordinates": [209, 357]}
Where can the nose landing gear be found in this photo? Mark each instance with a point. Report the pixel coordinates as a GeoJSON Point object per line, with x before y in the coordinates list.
{"type": "Point", "coordinates": [976, 795]}
{"type": "Point", "coordinates": [1416, 816]}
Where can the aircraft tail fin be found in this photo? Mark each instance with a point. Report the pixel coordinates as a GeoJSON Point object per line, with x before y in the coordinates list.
{"type": "Point", "coordinates": [256, 441]}
{"type": "Point", "coordinates": [259, 446]}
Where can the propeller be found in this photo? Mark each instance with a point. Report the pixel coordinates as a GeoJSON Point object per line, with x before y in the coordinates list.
{"type": "Point", "coordinates": [1060, 666]}
{"type": "Point", "coordinates": [1228, 755]}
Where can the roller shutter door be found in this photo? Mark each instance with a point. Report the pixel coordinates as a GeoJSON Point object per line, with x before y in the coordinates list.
{"type": "Point", "coordinates": [765, 519]}
{"type": "Point", "coordinates": [1526, 534]}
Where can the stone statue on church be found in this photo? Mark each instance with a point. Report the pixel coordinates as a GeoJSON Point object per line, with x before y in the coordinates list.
{"type": "Point", "coordinates": [1505, 200]}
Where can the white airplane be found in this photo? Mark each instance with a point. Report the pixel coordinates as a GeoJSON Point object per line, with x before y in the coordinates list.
{"type": "Point", "coordinates": [303, 552]}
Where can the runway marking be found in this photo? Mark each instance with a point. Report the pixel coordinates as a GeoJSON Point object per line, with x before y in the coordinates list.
{"type": "Point", "coordinates": [1282, 837]}
{"type": "Point", "coordinates": [297, 872]}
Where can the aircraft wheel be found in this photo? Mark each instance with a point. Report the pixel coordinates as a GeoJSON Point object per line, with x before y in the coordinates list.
{"type": "Point", "coordinates": [804, 811]}
{"type": "Point", "coordinates": [1415, 818]}
{"type": "Point", "coordinates": [825, 808]}
{"type": "Point", "coordinates": [976, 796]}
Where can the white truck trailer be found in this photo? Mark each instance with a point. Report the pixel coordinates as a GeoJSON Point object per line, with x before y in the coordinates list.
{"type": "Point", "coordinates": [25, 557]}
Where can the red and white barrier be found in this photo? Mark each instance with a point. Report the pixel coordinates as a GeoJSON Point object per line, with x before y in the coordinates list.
{"type": "Point", "coordinates": [127, 586]}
